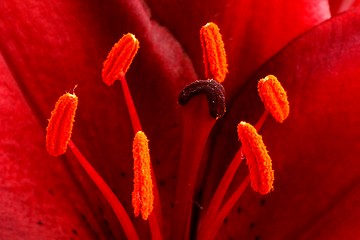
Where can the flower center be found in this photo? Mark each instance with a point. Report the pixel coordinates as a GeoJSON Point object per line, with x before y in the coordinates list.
{"type": "Point", "coordinates": [199, 116]}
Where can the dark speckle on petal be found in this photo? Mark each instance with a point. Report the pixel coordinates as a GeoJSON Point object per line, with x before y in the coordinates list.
{"type": "Point", "coordinates": [252, 225]}
{"type": "Point", "coordinates": [162, 183]}
{"type": "Point", "coordinates": [239, 210]}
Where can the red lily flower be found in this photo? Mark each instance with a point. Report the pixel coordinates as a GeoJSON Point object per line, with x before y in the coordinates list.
{"type": "Point", "coordinates": [47, 48]}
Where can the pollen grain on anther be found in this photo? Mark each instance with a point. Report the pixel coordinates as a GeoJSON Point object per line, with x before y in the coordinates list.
{"type": "Point", "coordinates": [59, 129]}
{"type": "Point", "coordinates": [214, 55]}
{"type": "Point", "coordinates": [119, 59]}
{"type": "Point", "coordinates": [257, 157]}
{"type": "Point", "coordinates": [274, 97]}
{"type": "Point", "coordinates": [142, 195]}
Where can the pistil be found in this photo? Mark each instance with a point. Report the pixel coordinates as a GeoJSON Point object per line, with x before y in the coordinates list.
{"type": "Point", "coordinates": [204, 102]}
{"type": "Point", "coordinates": [195, 117]}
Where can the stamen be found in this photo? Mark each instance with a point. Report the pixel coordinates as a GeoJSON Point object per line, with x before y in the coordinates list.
{"type": "Point", "coordinates": [120, 58]}
{"type": "Point", "coordinates": [58, 138]}
{"type": "Point", "coordinates": [214, 54]}
{"type": "Point", "coordinates": [215, 94]}
{"type": "Point", "coordinates": [114, 202]}
{"type": "Point", "coordinates": [212, 214]}
{"type": "Point", "coordinates": [142, 196]}
{"type": "Point", "coordinates": [258, 160]}
{"type": "Point", "coordinates": [59, 129]}
{"type": "Point", "coordinates": [216, 222]}
{"type": "Point", "coordinates": [155, 219]}
{"type": "Point", "coordinates": [274, 97]}
{"type": "Point", "coordinates": [218, 197]}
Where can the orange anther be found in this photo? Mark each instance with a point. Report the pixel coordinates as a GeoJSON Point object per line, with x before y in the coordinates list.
{"type": "Point", "coordinates": [119, 59]}
{"type": "Point", "coordinates": [274, 97]}
{"type": "Point", "coordinates": [59, 129]}
{"type": "Point", "coordinates": [142, 196]}
{"type": "Point", "coordinates": [257, 158]}
{"type": "Point", "coordinates": [214, 54]}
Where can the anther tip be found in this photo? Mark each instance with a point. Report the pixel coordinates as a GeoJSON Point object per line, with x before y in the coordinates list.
{"type": "Point", "coordinates": [209, 24]}
{"type": "Point", "coordinates": [119, 58]}
{"type": "Point", "coordinates": [59, 129]}
{"type": "Point", "coordinates": [214, 55]}
{"type": "Point", "coordinates": [274, 97]}
{"type": "Point", "coordinates": [132, 36]}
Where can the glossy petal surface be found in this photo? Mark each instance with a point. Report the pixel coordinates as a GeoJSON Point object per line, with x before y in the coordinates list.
{"type": "Point", "coordinates": [339, 6]}
{"type": "Point", "coordinates": [315, 151]}
{"type": "Point", "coordinates": [62, 44]}
{"type": "Point", "coordinates": [49, 47]}
{"type": "Point", "coordinates": [40, 198]}
{"type": "Point", "coordinates": [252, 31]}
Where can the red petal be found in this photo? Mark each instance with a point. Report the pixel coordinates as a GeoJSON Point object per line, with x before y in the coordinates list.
{"type": "Point", "coordinates": [339, 6]}
{"type": "Point", "coordinates": [315, 151]}
{"type": "Point", "coordinates": [39, 197]}
{"type": "Point", "coordinates": [64, 43]}
{"type": "Point", "coordinates": [52, 46]}
{"type": "Point", "coordinates": [253, 31]}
